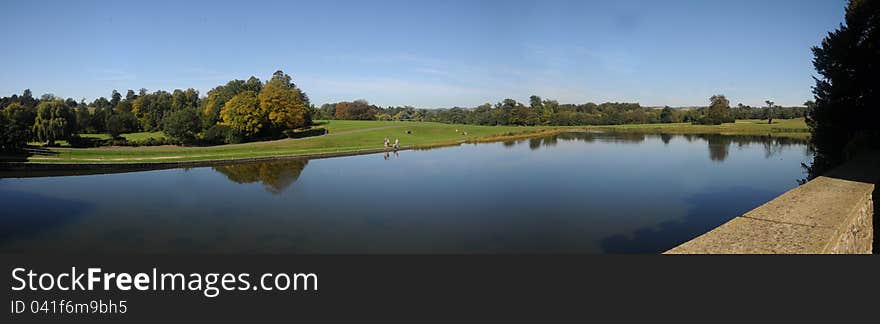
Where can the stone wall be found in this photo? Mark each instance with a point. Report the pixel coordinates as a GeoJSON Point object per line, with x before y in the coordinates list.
{"type": "Point", "coordinates": [830, 214]}
{"type": "Point", "coordinates": [857, 237]}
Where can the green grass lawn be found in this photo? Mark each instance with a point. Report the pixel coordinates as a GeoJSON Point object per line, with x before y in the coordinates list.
{"type": "Point", "coordinates": [781, 127]}
{"type": "Point", "coordinates": [344, 136]}
{"type": "Point", "coordinates": [143, 136]}
{"type": "Point", "coordinates": [336, 126]}
{"type": "Point", "coordinates": [349, 136]}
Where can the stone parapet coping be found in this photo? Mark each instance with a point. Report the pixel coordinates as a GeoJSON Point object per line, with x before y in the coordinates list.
{"type": "Point", "coordinates": [830, 214]}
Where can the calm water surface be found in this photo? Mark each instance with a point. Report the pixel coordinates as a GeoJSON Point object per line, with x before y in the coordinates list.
{"type": "Point", "coordinates": [571, 193]}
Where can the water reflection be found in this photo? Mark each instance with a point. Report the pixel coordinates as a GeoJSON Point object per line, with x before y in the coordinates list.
{"type": "Point", "coordinates": [27, 214]}
{"type": "Point", "coordinates": [706, 210]}
{"type": "Point", "coordinates": [718, 145]}
{"type": "Point", "coordinates": [274, 175]}
{"type": "Point", "coordinates": [578, 193]}
{"type": "Point", "coordinates": [602, 137]}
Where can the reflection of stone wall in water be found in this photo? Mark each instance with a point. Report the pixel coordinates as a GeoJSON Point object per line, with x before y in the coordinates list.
{"type": "Point", "coordinates": [275, 175]}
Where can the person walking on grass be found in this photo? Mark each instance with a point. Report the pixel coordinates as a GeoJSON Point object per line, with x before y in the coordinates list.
{"type": "Point", "coordinates": [396, 143]}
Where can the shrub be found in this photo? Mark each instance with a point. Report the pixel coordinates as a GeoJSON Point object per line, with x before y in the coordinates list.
{"type": "Point", "coordinates": [79, 141]}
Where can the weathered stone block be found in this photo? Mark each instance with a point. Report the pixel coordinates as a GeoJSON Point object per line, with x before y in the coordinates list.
{"type": "Point", "coordinates": [830, 214]}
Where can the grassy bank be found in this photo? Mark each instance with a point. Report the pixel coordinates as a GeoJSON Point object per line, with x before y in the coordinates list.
{"type": "Point", "coordinates": [781, 127]}
{"type": "Point", "coordinates": [353, 136]}
{"type": "Point", "coordinates": [344, 136]}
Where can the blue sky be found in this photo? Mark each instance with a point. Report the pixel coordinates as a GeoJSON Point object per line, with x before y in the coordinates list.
{"type": "Point", "coordinates": [424, 53]}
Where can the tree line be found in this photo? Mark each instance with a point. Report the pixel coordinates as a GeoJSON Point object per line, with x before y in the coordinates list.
{"type": "Point", "coordinates": [235, 112]}
{"type": "Point", "coordinates": [550, 112]}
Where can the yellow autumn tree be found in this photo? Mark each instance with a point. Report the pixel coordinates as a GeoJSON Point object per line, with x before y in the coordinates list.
{"type": "Point", "coordinates": [242, 113]}
{"type": "Point", "coordinates": [283, 104]}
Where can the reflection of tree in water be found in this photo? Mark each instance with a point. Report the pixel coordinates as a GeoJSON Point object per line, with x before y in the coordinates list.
{"type": "Point", "coordinates": [774, 146]}
{"type": "Point", "coordinates": [624, 138]}
{"type": "Point", "coordinates": [535, 143]}
{"type": "Point", "coordinates": [719, 145]}
{"type": "Point", "coordinates": [275, 175]}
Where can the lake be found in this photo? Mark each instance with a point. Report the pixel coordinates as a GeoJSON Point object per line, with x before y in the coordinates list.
{"type": "Point", "coordinates": [570, 193]}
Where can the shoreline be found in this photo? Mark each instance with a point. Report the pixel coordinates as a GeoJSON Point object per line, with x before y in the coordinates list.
{"type": "Point", "coordinates": [13, 170]}
{"type": "Point", "coordinates": [29, 169]}
{"type": "Point", "coordinates": [36, 170]}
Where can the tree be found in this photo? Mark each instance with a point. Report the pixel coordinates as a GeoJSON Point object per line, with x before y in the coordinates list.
{"type": "Point", "coordinates": [718, 111]}
{"type": "Point", "coordinates": [115, 98]}
{"type": "Point", "coordinates": [130, 96]}
{"type": "Point", "coordinates": [184, 99]}
{"type": "Point", "coordinates": [27, 99]}
{"type": "Point", "coordinates": [19, 113]}
{"type": "Point", "coordinates": [242, 114]}
{"type": "Point", "coordinates": [8, 139]}
{"type": "Point", "coordinates": [327, 111]}
{"type": "Point", "coordinates": [536, 103]}
{"type": "Point", "coordinates": [217, 98]}
{"type": "Point", "coordinates": [15, 124]}
{"type": "Point", "coordinates": [282, 104]}
{"type": "Point", "coordinates": [183, 125]}
{"type": "Point", "coordinates": [54, 121]}
{"type": "Point", "coordinates": [101, 111]}
{"type": "Point", "coordinates": [151, 108]}
{"type": "Point", "coordinates": [809, 105]}
{"type": "Point", "coordinates": [83, 118]}
{"type": "Point", "coordinates": [509, 115]}
{"type": "Point", "coordinates": [847, 106]}
{"type": "Point", "coordinates": [666, 115]}
{"type": "Point", "coordinates": [121, 123]}
{"type": "Point", "coordinates": [549, 110]}
{"type": "Point", "coordinates": [769, 113]}
{"type": "Point", "coordinates": [122, 106]}
{"type": "Point", "coordinates": [362, 110]}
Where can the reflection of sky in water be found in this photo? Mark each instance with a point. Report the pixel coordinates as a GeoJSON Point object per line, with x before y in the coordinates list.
{"type": "Point", "coordinates": [574, 193]}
